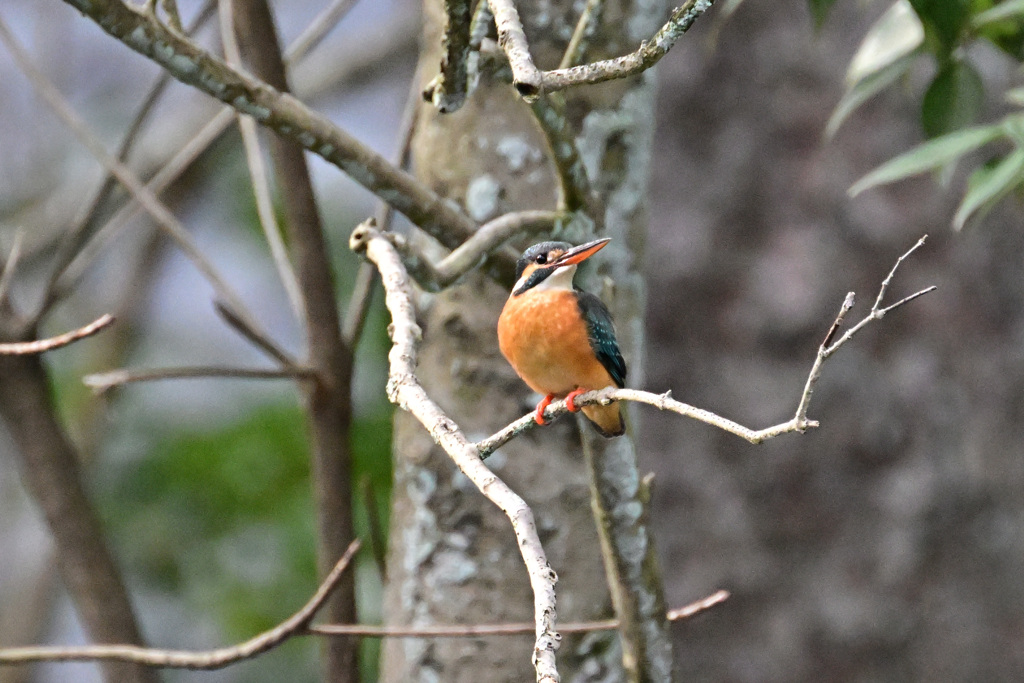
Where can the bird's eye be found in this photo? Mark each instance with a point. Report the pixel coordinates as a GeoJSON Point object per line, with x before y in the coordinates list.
{"type": "Point", "coordinates": [541, 259]}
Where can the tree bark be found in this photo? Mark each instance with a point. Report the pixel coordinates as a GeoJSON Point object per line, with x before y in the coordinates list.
{"type": "Point", "coordinates": [452, 557]}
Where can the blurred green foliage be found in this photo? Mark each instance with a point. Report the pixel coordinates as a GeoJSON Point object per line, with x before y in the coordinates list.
{"type": "Point", "coordinates": [946, 33]}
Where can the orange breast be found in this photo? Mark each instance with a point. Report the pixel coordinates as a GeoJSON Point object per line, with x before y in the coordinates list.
{"type": "Point", "coordinates": [545, 339]}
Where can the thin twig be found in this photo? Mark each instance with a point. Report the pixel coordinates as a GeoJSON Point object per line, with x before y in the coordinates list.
{"type": "Point", "coordinates": [82, 227]}
{"type": "Point", "coordinates": [183, 659]}
{"type": "Point", "coordinates": [156, 208]}
{"type": "Point", "coordinates": [284, 114]}
{"type": "Point", "coordinates": [798, 423]}
{"type": "Point", "coordinates": [68, 277]}
{"type": "Point", "coordinates": [525, 76]}
{"type": "Point", "coordinates": [24, 348]}
{"type": "Point", "coordinates": [10, 266]}
{"type": "Point", "coordinates": [405, 391]}
{"type": "Point", "coordinates": [492, 235]}
{"type": "Point", "coordinates": [480, 630]}
{"type": "Point", "coordinates": [253, 335]}
{"type": "Point", "coordinates": [258, 175]}
{"type": "Point", "coordinates": [317, 30]}
{"type": "Point", "coordinates": [588, 22]}
{"type": "Point", "coordinates": [101, 382]}
{"type": "Point", "coordinates": [366, 276]}
{"type": "Point", "coordinates": [646, 56]}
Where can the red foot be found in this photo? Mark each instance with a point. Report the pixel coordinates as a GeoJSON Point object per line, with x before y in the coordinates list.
{"type": "Point", "coordinates": [570, 400]}
{"type": "Point", "coordinates": [541, 408]}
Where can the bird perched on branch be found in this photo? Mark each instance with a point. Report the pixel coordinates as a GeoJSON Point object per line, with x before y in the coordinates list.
{"type": "Point", "coordinates": [559, 339]}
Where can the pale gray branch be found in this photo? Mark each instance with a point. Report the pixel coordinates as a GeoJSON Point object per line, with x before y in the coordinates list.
{"type": "Point", "coordinates": [525, 76]}
{"type": "Point", "coordinates": [25, 348]}
{"type": "Point", "coordinates": [405, 391]}
{"type": "Point", "coordinates": [647, 55]}
{"type": "Point", "coordinates": [101, 382]}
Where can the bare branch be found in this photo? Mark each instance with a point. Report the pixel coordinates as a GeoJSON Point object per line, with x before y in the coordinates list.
{"type": "Point", "coordinates": [181, 659]}
{"type": "Point", "coordinates": [573, 183]}
{"type": "Point", "coordinates": [157, 209]}
{"type": "Point", "coordinates": [284, 114]}
{"type": "Point", "coordinates": [24, 348]}
{"type": "Point", "coordinates": [253, 335]}
{"type": "Point", "coordinates": [589, 19]}
{"type": "Point", "coordinates": [798, 423]}
{"type": "Point", "coordinates": [67, 276]}
{"type": "Point", "coordinates": [102, 382]}
{"type": "Point", "coordinates": [84, 224]}
{"type": "Point", "coordinates": [646, 56]}
{"type": "Point", "coordinates": [447, 90]}
{"type": "Point", "coordinates": [492, 235]}
{"type": "Point", "coordinates": [405, 391]}
{"type": "Point", "coordinates": [258, 173]}
{"type": "Point", "coordinates": [318, 29]}
{"type": "Point", "coordinates": [525, 76]}
{"type": "Point", "coordinates": [480, 630]}
{"type": "Point", "coordinates": [11, 266]}
{"type": "Point", "coordinates": [366, 277]}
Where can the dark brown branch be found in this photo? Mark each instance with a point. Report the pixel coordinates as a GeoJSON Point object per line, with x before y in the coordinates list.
{"type": "Point", "coordinates": [295, 625]}
{"type": "Point", "coordinates": [328, 397]}
{"type": "Point", "coordinates": [51, 472]}
{"type": "Point", "coordinates": [23, 348]}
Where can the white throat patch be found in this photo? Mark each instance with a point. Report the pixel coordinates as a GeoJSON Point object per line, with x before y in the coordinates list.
{"type": "Point", "coordinates": [560, 279]}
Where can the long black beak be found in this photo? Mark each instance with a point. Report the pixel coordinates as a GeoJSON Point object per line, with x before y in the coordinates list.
{"type": "Point", "coordinates": [581, 253]}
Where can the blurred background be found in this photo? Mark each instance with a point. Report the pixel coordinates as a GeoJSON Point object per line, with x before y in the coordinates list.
{"type": "Point", "coordinates": [887, 545]}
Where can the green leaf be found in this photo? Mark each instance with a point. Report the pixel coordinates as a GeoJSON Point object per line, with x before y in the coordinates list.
{"type": "Point", "coordinates": [1004, 10]}
{"type": "Point", "coordinates": [819, 10]}
{"type": "Point", "coordinates": [944, 20]}
{"type": "Point", "coordinates": [866, 88]}
{"type": "Point", "coordinates": [930, 155]}
{"type": "Point", "coordinates": [953, 100]}
{"type": "Point", "coordinates": [988, 185]}
{"type": "Point", "coordinates": [896, 34]}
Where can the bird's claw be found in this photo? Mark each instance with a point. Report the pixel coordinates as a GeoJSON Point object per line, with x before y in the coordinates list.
{"type": "Point", "coordinates": [570, 400]}
{"type": "Point", "coordinates": [541, 407]}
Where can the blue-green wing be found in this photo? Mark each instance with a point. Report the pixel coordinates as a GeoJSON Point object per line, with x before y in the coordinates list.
{"type": "Point", "coordinates": [601, 331]}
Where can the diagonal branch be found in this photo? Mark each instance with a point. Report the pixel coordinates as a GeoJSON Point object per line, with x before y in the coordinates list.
{"type": "Point", "coordinates": [284, 114]}
{"type": "Point", "coordinates": [647, 55]}
{"type": "Point", "coordinates": [525, 76]}
{"type": "Point", "coordinates": [405, 391]}
{"type": "Point", "coordinates": [25, 348]}
{"type": "Point", "coordinates": [102, 382]}
{"type": "Point", "coordinates": [156, 208]}
{"type": "Point", "coordinates": [182, 659]}
{"type": "Point", "coordinates": [798, 423]}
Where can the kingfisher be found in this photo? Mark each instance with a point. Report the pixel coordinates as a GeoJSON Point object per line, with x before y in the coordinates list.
{"type": "Point", "coordinates": [559, 339]}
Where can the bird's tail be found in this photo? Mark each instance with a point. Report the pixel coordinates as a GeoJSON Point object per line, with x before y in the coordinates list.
{"type": "Point", "coordinates": [606, 419]}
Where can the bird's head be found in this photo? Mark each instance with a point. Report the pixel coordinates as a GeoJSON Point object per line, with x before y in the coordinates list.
{"type": "Point", "coordinates": [552, 265]}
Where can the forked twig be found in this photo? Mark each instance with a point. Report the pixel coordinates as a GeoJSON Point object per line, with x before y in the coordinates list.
{"type": "Point", "coordinates": [798, 423]}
